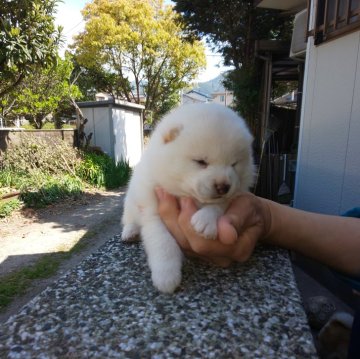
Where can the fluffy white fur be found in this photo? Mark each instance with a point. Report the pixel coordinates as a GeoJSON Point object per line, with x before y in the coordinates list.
{"type": "Point", "coordinates": [199, 150]}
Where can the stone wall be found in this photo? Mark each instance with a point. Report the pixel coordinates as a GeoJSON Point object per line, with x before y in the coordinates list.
{"type": "Point", "coordinates": [11, 137]}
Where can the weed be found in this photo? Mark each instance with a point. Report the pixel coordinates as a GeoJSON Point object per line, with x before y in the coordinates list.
{"type": "Point", "coordinates": [6, 208]}
{"type": "Point", "coordinates": [48, 170]}
{"type": "Point", "coordinates": [16, 283]}
{"type": "Point", "coordinates": [43, 190]}
{"type": "Point", "coordinates": [102, 171]}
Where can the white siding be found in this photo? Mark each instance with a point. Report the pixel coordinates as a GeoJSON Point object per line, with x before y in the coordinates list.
{"type": "Point", "coordinates": [99, 125]}
{"type": "Point", "coordinates": [117, 129]}
{"type": "Point", "coordinates": [128, 136]}
{"type": "Point", "coordinates": [328, 176]}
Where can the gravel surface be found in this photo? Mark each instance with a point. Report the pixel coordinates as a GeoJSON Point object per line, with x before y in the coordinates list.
{"type": "Point", "coordinates": [106, 307]}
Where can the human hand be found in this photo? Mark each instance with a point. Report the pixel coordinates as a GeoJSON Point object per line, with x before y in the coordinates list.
{"type": "Point", "coordinates": [245, 222]}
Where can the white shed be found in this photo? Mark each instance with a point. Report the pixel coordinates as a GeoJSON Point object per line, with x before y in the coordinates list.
{"type": "Point", "coordinates": [117, 128]}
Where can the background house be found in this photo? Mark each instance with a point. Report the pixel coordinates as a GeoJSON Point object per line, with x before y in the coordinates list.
{"type": "Point", "coordinates": [224, 97]}
{"type": "Point", "coordinates": [328, 163]}
{"type": "Point", "coordinates": [194, 96]}
{"type": "Point", "coordinates": [325, 43]}
{"type": "Point", "coordinates": [211, 91]}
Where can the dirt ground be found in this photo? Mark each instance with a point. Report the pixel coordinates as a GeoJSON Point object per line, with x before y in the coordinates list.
{"type": "Point", "coordinates": [29, 234]}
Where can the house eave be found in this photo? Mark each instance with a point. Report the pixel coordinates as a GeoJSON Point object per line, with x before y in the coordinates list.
{"type": "Point", "coordinates": [281, 4]}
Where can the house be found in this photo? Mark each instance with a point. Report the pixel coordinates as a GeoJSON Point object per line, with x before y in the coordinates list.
{"type": "Point", "coordinates": [223, 97]}
{"type": "Point", "coordinates": [326, 40]}
{"type": "Point", "coordinates": [103, 96]}
{"type": "Point", "coordinates": [194, 96]}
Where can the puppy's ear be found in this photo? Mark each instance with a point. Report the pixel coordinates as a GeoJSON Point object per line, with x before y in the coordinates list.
{"type": "Point", "coordinates": [171, 134]}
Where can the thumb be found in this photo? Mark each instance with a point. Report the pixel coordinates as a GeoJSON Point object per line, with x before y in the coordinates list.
{"type": "Point", "coordinates": [227, 233]}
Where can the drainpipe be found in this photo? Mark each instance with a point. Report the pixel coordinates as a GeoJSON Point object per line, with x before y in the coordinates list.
{"type": "Point", "coordinates": [265, 111]}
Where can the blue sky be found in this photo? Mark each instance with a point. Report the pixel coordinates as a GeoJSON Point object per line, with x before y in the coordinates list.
{"type": "Point", "coordinates": [69, 16]}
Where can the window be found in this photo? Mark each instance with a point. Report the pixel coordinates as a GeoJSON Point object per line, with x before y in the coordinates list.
{"type": "Point", "coordinates": [222, 98]}
{"type": "Point", "coordinates": [335, 18]}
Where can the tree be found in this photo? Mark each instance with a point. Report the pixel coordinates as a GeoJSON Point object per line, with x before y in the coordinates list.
{"type": "Point", "coordinates": [28, 39]}
{"type": "Point", "coordinates": [138, 46]}
{"type": "Point", "coordinates": [44, 91]}
{"type": "Point", "coordinates": [232, 27]}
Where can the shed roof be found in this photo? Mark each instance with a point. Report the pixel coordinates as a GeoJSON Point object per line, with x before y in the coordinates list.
{"type": "Point", "coordinates": [111, 102]}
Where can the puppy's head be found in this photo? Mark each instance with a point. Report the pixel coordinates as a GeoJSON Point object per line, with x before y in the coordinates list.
{"type": "Point", "coordinates": [204, 151]}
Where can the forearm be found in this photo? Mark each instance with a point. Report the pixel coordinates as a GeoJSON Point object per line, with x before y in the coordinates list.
{"type": "Point", "coordinates": [332, 240]}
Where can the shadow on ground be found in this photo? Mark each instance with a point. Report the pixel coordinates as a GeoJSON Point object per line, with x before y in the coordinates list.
{"type": "Point", "coordinates": [51, 240]}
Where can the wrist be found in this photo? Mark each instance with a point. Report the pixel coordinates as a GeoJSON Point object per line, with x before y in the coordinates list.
{"type": "Point", "coordinates": [268, 219]}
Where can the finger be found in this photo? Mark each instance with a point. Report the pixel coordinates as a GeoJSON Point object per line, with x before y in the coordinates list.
{"type": "Point", "coordinates": [199, 244]}
{"type": "Point", "coordinates": [246, 244]}
{"type": "Point", "coordinates": [227, 233]}
{"type": "Point", "coordinates": [241, 215]}
{"type": "Point", "coordinates": [168, 206]}
{"type": "Point", "coordinates": [168, 209]}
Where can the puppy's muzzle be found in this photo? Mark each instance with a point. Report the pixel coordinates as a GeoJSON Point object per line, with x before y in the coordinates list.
{"type": "Point", "coordinates": [222, 188]}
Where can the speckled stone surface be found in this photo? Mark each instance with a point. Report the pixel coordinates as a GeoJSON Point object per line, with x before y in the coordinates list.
{"type": "Point", "coordinates": [107, 308]}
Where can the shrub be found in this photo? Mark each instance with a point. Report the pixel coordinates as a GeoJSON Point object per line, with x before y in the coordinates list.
{"type": "Point", "coordinates": [50, 155]}
{"type": "Point", "coordinates": [100, 170]}
{"type": "Point", "coordinates": [43, 170]}
{"type": "Point", "coordinates": [42, 189]}
{"type": "Point", "coordinates": [13, 179]}
{"type": "Point", "coordinates": [48, 170]}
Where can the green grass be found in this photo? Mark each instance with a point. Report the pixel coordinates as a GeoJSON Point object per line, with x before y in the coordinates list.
{"type": "Point", "coordinates": [6, 208]}
{"type": "Point", "coordinates": [17, 283]}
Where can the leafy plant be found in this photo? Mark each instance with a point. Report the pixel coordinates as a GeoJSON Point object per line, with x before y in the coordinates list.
{"type": "Point", "coordinates": [42, 91]}
{"type": "Point", "coordinates": [8, 207]}
{"type": "Point", "coordinates": [49, 170]}
{"type": "Point", "coordinates": [43, 190]}
{"type": "Point", "coordinates": [28, 38]}
{"type": "Point", "coordinates": [52, 156]}
{"type": "Point", "coordinates": [103, 171]}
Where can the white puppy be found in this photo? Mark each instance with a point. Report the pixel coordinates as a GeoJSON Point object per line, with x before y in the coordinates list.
{"type": "Point", "coordinates": [202, 151]}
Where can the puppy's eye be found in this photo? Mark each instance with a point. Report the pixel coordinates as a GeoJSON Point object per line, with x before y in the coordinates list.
{"type": "Point", "coordinates": [201, 163]}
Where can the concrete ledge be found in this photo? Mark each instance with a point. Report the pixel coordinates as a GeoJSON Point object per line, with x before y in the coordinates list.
{"type": "Point", "coordinates": [107, 308]}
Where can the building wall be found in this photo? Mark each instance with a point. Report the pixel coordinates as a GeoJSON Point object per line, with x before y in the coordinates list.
{"type": "Point", "coordinates": [128, 135]}
{"type": "Point", "coordinates": [192, 97]}
{"type": "Point", "coordinates": [223, 98]}
{"type": "Point", "coordinates": [99, 124]}
{"type": "Point", "coordinates": [328, 171]}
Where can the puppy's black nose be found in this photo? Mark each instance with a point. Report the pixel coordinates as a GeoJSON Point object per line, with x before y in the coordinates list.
{"type": "Point", "coordinates": [222, 188]}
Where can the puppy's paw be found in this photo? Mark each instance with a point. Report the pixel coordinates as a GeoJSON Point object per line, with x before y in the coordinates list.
{"type": "Point", "coordinates": [204, 221]}
{"type": "Point", "coordinates": [130, 233]}
{"type": "Point", "coordinates": [166, 279]}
